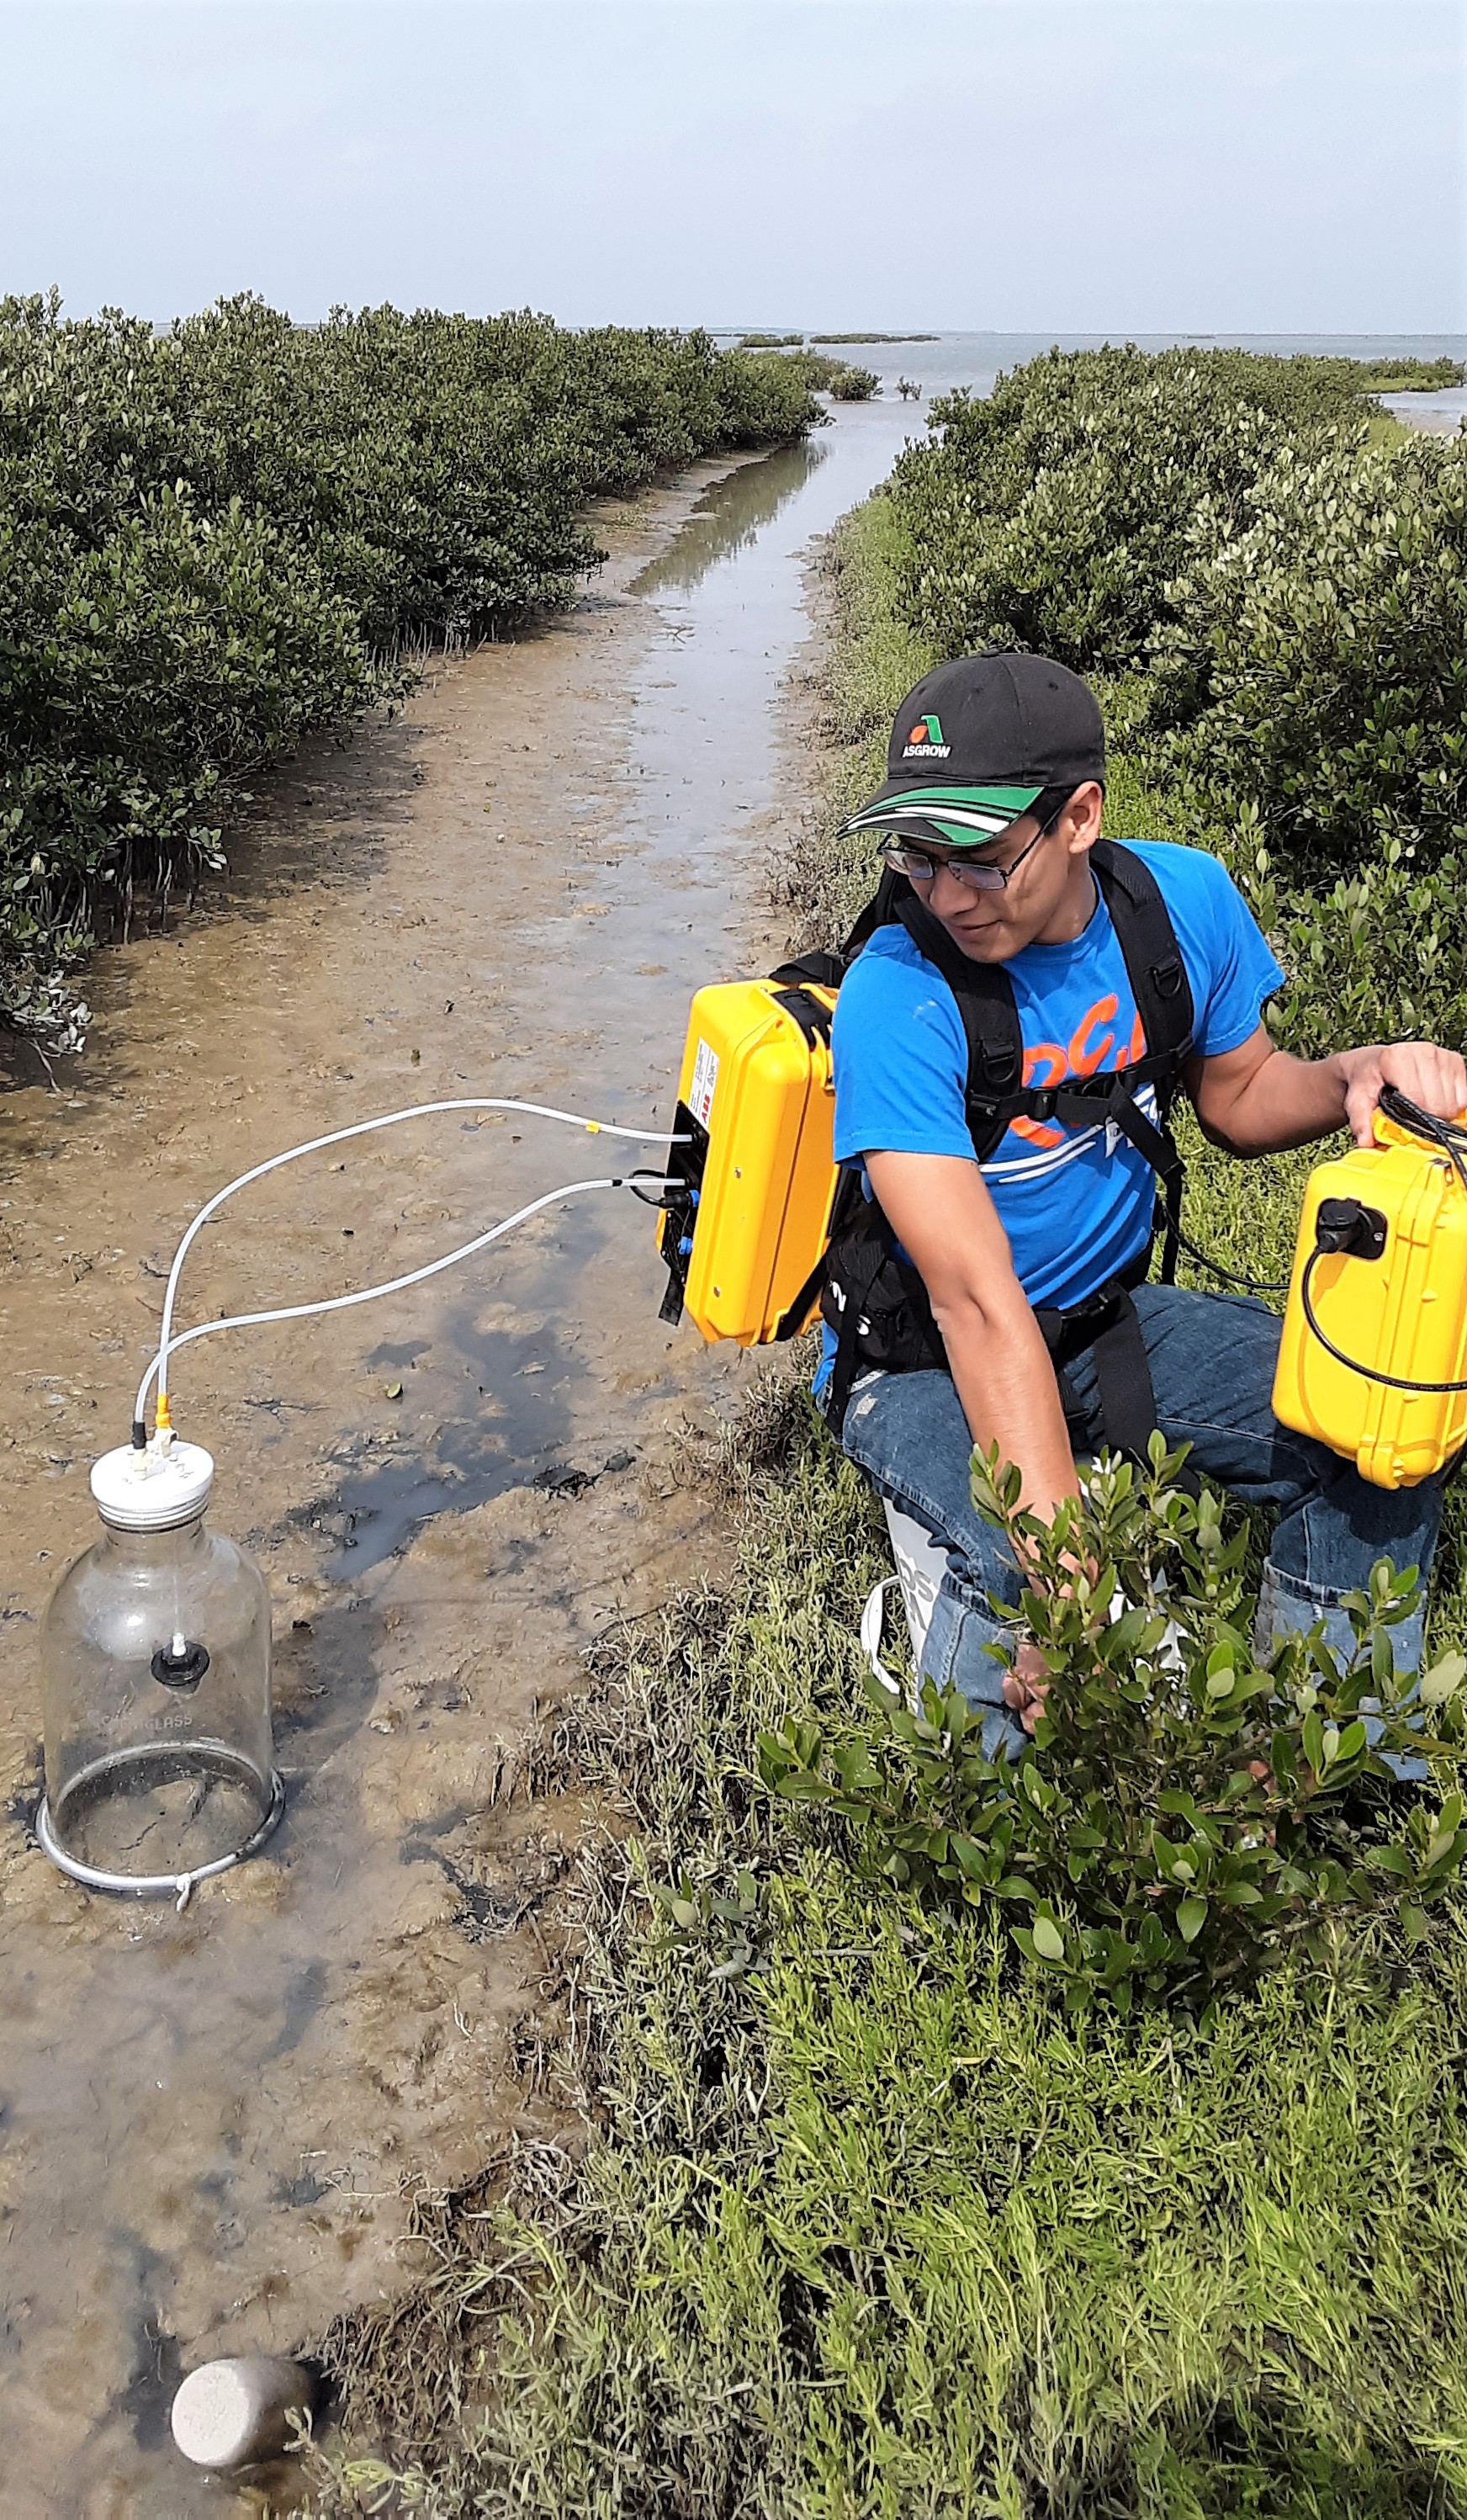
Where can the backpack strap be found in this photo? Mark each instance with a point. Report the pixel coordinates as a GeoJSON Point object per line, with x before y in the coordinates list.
{"type": "Point", "coordinates": [1106, 1327]}
{"type": "Point", "coordinates": [879, 911]}
{"type": "Point", "coordinates": [1153, 958]}
{"type": "Point", "coordinates": [1164, 1001]}
{"type": "Point", "coordinates": [819, 971]}
{"type": "Point", "coordinates": [812, 1016]}
{"type": "Point", "coordinates": [872, 1300]}
{"type": "Point", "coordinates": [996, 1091]}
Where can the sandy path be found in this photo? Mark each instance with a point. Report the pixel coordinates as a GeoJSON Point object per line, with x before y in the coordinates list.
{"type": "Point", "coordinates": [211, 2124]}
{"type": "Point", "coordinates": [211, 2118]}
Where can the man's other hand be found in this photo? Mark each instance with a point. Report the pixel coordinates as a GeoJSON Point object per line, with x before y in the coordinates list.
{"type": "Point", "coordinates": [1027, 1685]}
{"type": "Point", "coordinates": [1434, 1080]}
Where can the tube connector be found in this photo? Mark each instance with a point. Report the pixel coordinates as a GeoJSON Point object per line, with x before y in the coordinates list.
{"type": "Point", "coordinates": [1348, 1224]}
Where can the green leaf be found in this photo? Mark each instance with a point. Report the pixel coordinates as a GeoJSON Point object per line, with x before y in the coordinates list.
{"type": "Point", "coordinates": [1191, 1916]}
{"type": "Point", "coordinates": [1443, 1679]}
{"type": "Point", "coordinates": [1049, 1941]}
{"type": "Point", "coordinates": [1393, 1859]}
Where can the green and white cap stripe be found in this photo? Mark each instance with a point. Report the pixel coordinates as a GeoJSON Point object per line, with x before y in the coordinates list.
{"type": "Point", "coordinates": [963, 818]}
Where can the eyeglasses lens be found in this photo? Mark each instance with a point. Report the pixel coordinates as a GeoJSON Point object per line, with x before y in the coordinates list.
{"type": "Point", "coordinates": [920, 869]}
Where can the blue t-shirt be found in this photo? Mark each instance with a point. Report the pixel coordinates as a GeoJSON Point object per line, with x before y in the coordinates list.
{"type": "Point", "coordinates": [1076, 1203]}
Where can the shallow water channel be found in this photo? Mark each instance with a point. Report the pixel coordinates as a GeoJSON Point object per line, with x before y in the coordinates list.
{"type": "Point", "coordinates": [213, 2124]}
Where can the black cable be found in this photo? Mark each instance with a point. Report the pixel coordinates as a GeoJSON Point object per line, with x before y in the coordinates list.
{"type": "Point", "coordinates": [1452, 1138]}
{"type": "Point", "coordinates": [1449, 1135]}
{"type": "Point", "coordinates": [639, 1183]}
{"type": "Point", "coordinates": [1234, 1277]}
{"type": "Point", "coordinates": [1369, 1373]}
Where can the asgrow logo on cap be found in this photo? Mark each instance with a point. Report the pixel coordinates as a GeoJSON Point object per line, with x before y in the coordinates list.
{"type": "Point", "coordinates": [925, 742]}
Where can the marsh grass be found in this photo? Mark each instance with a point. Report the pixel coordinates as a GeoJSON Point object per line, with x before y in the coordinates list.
{"type": "Point", "coordinates": [871, 2229]}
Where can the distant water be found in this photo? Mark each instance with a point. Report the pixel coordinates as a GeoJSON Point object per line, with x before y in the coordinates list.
{"type": "Point", "coordinates": [976, 359]}
{"type": "Point", "coordinates": [1441, 413]}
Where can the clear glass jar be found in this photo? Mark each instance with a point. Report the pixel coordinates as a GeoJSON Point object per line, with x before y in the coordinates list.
{"type": "Point", "coordinates": [156, 1672]}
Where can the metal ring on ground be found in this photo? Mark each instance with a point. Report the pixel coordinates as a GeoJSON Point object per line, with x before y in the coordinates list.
{"type": "Point", "coordinates": [157, 1886]}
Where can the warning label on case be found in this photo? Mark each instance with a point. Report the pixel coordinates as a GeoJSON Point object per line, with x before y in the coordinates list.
{"type": "Point", "coordinates": [704, 1079]}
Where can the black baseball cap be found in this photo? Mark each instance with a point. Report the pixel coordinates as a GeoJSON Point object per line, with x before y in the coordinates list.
{"type": "Point", "coordinates": [976, 742]}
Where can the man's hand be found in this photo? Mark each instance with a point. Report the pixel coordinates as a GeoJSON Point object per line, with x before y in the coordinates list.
{"type": "Point", "coordinates": [1434, 1079]}
{"type": "Point", "coordinates": [1027, 1685]}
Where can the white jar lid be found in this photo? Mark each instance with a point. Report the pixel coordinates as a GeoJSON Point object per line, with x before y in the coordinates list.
{"type": "Point", "coordinates": [153, 1490]}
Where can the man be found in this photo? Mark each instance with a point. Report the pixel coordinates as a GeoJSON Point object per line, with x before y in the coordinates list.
{"type": "Point", "coordinates": [990, 812]}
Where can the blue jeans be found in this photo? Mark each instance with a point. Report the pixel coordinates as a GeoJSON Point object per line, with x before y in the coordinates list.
{"type": "Point", "coordinates": [1212, 1363]}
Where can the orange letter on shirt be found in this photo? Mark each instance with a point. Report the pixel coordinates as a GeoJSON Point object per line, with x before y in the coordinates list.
{"type": "Point", "coordinates": [1085, 1061]}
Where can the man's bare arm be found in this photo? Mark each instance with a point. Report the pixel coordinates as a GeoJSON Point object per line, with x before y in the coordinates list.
{"type": "Point", "coordinates": [940, 1209]}
{"type": "Point", "coordinates": [1256, 1099]}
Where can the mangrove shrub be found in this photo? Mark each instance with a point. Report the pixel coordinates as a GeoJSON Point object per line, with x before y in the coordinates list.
{"type": "Point", "coordinates": [215, 537]}
{"type": "Point", "coordinates": [854, 384]}
{"type": "Point", "coordinates": [1190, 1809]}
{"type": "Point", "coordinates": [1313, 665]}
{"type": "Point", "coordinates": [1053, 515]}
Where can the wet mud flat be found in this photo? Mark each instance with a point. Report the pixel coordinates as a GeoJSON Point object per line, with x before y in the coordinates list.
{"type": "Point", "coordinates": [213, 2125]}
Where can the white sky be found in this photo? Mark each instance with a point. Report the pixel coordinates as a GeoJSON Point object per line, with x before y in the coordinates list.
{"type": "Point", "coordinates": [1122, 165]}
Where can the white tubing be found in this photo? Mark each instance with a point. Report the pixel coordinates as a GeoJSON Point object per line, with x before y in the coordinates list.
{"type": "Point", "coordinates": [391, 1287]}
{"type": "Point", "coordinates": [336, 1137]}
{"type": "Point", "coordinates": [872, 1621]}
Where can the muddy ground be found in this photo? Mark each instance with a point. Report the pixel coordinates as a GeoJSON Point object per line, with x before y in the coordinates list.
{"type": "Point", "coordinates": [214, 2123]}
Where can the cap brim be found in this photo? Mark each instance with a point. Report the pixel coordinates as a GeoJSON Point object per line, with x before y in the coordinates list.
{"type": "Point", "coordinates": [961, 818]}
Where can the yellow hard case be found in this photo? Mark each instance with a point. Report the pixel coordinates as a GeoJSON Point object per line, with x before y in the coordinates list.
{"type": "Point", "coordinates": [757, 1088]}
{"type": "Point", "coordinates": [1404, 1313]}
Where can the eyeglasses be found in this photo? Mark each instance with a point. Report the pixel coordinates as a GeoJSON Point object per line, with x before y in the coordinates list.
{"type": "Point", "coordinates": [981, 877]}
